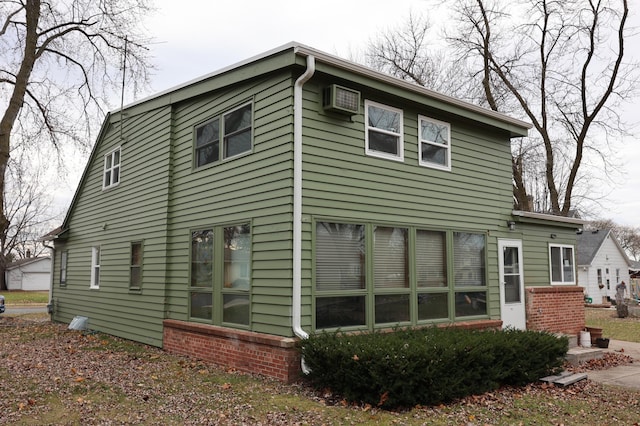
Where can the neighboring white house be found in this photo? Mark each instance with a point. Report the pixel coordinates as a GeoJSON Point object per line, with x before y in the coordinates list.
{"type": "Point", "coordinates": [602, 264]}
{"type": "Point", "coordinates": [33, 273]}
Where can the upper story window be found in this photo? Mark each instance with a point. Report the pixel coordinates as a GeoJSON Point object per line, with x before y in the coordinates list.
{"type": "Point", "coordinates": [232, 128]}
{"type": "Point", "coordinates": [384, 133]}
{"type": "Point", "coordinates": [435, 143]}
{"type": "Point", "coordinates": [111, 169]}
{"type": "Point", "coordinates": [562, 264]}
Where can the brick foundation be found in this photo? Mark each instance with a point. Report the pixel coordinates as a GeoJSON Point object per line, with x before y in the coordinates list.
{"type": "Point", "coordinates": [557, 309]}
{"type": "Point", "coordinates": [271, 356]}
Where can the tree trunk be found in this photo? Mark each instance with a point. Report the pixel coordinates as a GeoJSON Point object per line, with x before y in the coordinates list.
{"type": "Point", "coordinates": [16, 100]}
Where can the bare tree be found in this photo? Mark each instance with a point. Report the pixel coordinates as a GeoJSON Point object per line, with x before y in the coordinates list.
{"type": "Point", "coordinates": [557, 64]}
{"type": "Point", "coordinates": [60, 60]}
{"type": "Point", "coordinates": [29, 213]}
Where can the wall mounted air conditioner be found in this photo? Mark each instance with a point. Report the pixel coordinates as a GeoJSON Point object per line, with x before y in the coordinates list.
{"type": "Point", "coordinates": [340, 99]}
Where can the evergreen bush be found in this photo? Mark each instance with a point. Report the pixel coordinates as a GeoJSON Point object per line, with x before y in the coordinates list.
{"type": "Point", "coordinates": [408, 367]}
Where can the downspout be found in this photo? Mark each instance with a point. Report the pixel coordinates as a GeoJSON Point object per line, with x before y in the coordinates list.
{"type": "Point", "coordinates": [297, 202]}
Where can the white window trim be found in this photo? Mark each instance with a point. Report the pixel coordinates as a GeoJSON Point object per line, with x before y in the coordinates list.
{"type": "Point", "coordinates": [446, 167]}
{"type": "Point", "coordinates": [112, 168]}
{"type": "Point", "coordinates": [400, 134]}
{"type": "Point", "coordinates": [573, 264]}
{"type": "Point", "coordinates": [95, 264]}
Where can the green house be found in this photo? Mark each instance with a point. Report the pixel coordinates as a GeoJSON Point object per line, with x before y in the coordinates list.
{"type": "Point", "coordinates": [295, 192]}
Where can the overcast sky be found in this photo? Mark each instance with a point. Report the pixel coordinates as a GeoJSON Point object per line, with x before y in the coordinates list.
{"type": "Point", "coordinates": [197, 37]}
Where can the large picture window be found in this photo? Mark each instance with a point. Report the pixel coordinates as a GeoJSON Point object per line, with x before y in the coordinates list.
{"type": "Point", "coordinates": [233, 128]}
{"type": "Point", "coordinates": [367, 275]}
{"type": "Point", "coordinates": [562, 264]}
{"type": "Point", "coordinates": [383, 133]}
{"type": "Point", "coordinates": [435, 143]}
{"type": "Point", "coordinates": [221, 275]}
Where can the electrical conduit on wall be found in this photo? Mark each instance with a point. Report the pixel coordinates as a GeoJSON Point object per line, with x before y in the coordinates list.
{"type": "Point", "coordinates": [297, 203]}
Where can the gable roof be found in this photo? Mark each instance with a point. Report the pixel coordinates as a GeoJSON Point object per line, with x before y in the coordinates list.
{"type": "Point", "coordinates": [27, 261]}
{"type": "Point", "coordinates": [589, 243]}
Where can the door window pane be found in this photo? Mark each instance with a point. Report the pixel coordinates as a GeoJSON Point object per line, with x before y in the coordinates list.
{"type": "Point", "coordinates": [511, 274]}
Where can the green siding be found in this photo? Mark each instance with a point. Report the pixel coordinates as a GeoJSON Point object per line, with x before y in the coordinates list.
{"type": "Point", "coordinates": [135, 210]}
{"type": "Point", "coordinates": [162, 197]}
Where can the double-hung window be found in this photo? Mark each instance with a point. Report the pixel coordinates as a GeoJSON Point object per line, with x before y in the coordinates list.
{"type": "Point", "coordinates": [63, 267]}
{"type": "Point", "coordinates": [111, 175]}
{"type": "Point", "coordinates": [95, 267]}
{"type": "Point", "coordinates": [435, 143]}
{"type": "Point", "coordinates": [135, 269]}
{"type": "Point", "coordinates": [562, 264]}
{"type": "Point", "coordinates": [384, 132]}
{"type": "Point", "coordinates": [224, 136]}
{"type": "Point", "coordinates": [221, 275]}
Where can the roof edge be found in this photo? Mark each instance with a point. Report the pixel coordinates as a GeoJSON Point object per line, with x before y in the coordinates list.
{"type": "Point", "coordinates": [548, 217]}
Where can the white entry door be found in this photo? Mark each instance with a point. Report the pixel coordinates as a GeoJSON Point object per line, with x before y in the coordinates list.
{"type": "Point", "coordinates": [512, 307]}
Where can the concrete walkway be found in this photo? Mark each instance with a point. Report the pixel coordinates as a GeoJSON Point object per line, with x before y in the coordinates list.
{"type": "Point", "coordinates": [624, 375]}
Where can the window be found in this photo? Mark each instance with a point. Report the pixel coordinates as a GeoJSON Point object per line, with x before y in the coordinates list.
{"type": "Point", "coordinates": [599, 272]}
{"type": "Point", "coordinates": [135, 272]}
{"type": "Point", "coordinates": [340, 275]}
{"type": "Point", "coordinates": [562, 270]}
{"type": "Point", "coordinates": [111, 169]}
{"type": "Point", "coordinates": [233, 128]}
{"type": "Point", "coordinates": [435, 144]}
{"type": "Point", "coordinates": [235, 295]}
{"type": "Point", "coordinates": [368, 275]}
{"type": "Point", "coordinates": [63, 267]}
{"type": "Point", "coordinates": [95, 267]}
{"type": "Point", "coordinates": [383, 132]}
{"type": "Point", "coordinates": [221, 274]}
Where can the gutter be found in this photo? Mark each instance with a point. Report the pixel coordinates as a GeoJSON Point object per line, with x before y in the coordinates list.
{"type": "Point", "coordinates": [296, 304]}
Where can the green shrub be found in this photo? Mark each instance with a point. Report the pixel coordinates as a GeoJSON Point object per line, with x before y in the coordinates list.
{"type": "Point", "coordinates": [428, 366]}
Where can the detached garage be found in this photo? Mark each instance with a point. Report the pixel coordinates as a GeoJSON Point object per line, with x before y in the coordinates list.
{"type": "Point", "coordinates": [29, 274]}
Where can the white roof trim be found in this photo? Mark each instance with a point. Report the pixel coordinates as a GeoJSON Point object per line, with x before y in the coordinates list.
{"type": "Point", "coordinates": [550, 217]}
{"type": "Point", "coordinates": [302, 50]}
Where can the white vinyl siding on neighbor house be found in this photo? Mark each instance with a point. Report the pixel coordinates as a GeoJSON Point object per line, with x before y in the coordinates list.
{"type": "Point", "coordinates": [435, 143]}
{"type": "Point", "coordinates": [562, 264]}
{"type": "Point", "coordinates": [111, 175]}
{"type": "Point", "coordinates": [384, 133]}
